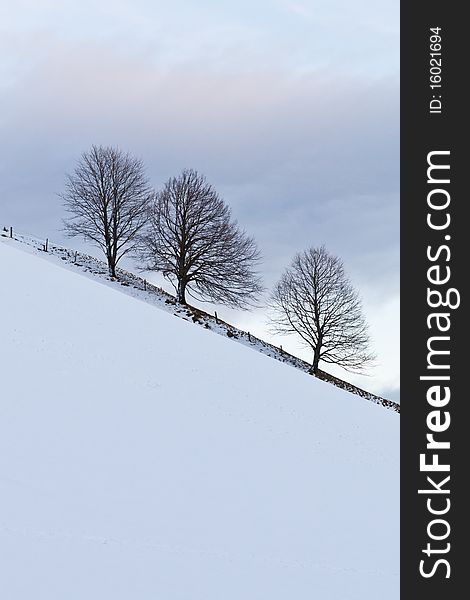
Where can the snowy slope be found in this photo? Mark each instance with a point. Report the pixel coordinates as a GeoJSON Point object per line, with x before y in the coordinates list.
{"type": "Point", "coordinates": [131, 284]}
{"type": "Point", "coordinates": [144, 458]}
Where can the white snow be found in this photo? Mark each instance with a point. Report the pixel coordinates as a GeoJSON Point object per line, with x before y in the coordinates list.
{"type": "Point", "coordinates": [144, 458]}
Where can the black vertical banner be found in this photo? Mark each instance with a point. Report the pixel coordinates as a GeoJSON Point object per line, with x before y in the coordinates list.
{"type": "Point", "coordinates": [435, 362]}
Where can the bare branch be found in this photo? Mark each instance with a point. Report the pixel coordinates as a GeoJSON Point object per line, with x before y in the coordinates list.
{"type": "Point", "coordinates": [193, 242]}
{"type": "Point", "coordinates": [315, 300]}
{"type": "Point", "coordinates": [107, 197]}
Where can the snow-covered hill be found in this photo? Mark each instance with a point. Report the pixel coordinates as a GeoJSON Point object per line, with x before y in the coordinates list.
{"type": "Point", "coordinates": [144, 458]}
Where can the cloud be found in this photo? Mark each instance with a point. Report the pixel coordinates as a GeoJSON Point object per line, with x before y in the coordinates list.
{"type": "Point", "coordinates": [299, 9]}
{"type": "Point", "coordinates": [319, 148]}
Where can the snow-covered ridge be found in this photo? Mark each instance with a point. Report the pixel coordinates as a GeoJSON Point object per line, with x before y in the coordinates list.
{"type": "Point", "coordinates": [133, 285]}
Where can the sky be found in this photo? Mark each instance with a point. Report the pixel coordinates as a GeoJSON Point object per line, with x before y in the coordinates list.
{"type": "Point", "coordinates": [290, 109]}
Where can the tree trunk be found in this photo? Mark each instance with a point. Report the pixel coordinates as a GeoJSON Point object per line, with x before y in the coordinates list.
{"type": "Point", "coordinates": [316, 360]}
{"type": "Point", "coordinates": [181, 292]}
{"type": "Point", "coordinates": [112, 266]}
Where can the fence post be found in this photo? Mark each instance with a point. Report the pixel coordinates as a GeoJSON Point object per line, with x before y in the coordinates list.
{"type": "Point", "coordinates": [215, 314]}
{"type": "Point", "coordinates": [75, 257]}
{"type": "Point", "coordinates": [46, 245]}
{"type": "Point", "coordinates": [249, 337]}
{"type": "Point", "coordinates": [145, 284]}
{"type": "Point", "coordinates": [11, 232]}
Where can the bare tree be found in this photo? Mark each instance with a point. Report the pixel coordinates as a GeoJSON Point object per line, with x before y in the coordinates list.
{"type": "Point", "coordinates": [316, 300]}
{"type": "Point", "coordinates": [193, 242]}
{"type": "Point", "coordinates": [107, 196]}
